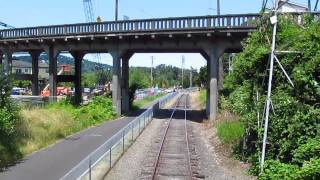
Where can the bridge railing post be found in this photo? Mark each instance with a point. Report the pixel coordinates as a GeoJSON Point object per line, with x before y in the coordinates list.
{"type": "Point", "coordinates": [189, 23]}
{"type": "Point", "coordinates": [153, 25]}
{"type": "Point", "coordinates": [229, 21]}
{"type": "Point", "coordinates": [170, 24]}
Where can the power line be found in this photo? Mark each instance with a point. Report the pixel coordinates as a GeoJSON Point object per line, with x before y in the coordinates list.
{"type": "Point", "coordinates": [191, 71]}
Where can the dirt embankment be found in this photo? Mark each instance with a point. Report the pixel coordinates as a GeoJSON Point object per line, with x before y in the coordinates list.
{"type": "Point", "coordinates": [216, 159]}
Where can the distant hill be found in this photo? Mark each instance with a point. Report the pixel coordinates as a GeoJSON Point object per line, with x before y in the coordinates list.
{"type": "Point", "coordinates": [87, 66]}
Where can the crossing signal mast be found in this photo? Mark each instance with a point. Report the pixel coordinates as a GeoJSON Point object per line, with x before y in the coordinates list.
{"type": "Point", "coordinates": [90, 17]}
{"type": "Point", "coordinates": [6, 25]}
{"type": "Point", "coordinates": [88, 10]}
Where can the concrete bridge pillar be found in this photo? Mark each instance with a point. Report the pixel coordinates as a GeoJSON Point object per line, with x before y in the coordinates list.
{"type": "Point", "coordinates": [116, 79]}
{"type": "Point", "coordinates": [35, 72]}
{"type": "Point", "coordinates": [1, 57]}
{"type": "Point", "coordinates": [125, 85]}
{"type": "Point", "coordinates": [78, 56]}
{"type": "Point", "coordinates": [52, 55]}
{"type": "Point", "coordinates": [214, 56]}
{"type": "Point", "coordinates": [7, 63]}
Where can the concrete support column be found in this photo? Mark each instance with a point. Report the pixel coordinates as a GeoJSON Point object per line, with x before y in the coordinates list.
{"type": "Point", "coordinates": [215, 54]}
{"type": "Point", "coordinates": [7, 64]}
{"type": "Point", "coordinates": [35, 72]}
{"type": "Point", "coordinates": [125, 85]}
{"type": "Point", "coordinates": [78, 56]}
{"type": "Point", "coordinates": [116, 79]}
{"type": "Point", "coordinates": [52, 54]}
{"type": "Point", "coordinates": [1, 57]}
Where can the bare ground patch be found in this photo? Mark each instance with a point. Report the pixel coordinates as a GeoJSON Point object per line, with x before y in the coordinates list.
{"type": "Point", "coordinates": [215, 158]}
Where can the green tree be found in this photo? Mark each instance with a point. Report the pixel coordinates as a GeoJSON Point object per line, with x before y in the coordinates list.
{"type": "Point", "coordinates": [296, 117]}
{"type": "Point", "coordinates": [9, 122]}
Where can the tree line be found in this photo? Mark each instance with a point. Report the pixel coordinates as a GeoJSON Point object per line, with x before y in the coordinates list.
{"type": "Point", "coordinates": [293, 144]}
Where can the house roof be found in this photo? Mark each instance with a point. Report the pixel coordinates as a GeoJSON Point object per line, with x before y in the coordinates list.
{"type": "Point", "coordinates": [20, 64]}
{"type": "Point", "coordinates": [291, 3]}
{"type": "Point", "coordinates": [24, 64]}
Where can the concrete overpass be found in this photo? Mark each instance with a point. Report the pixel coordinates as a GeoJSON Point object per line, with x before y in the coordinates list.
{"type": "Point", "coordinates": [209, 35]}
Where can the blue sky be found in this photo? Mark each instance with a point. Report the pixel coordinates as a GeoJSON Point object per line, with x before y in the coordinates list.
{"type": "Point", "coordinates": [23, 13]}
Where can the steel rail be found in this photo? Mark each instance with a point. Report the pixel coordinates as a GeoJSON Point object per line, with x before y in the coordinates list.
{"type": "Point", "coordinates": [187, 139]}
{"type": "Point", "coordinates": [164, 137]}
{"type": "Point", "coordinates": [162, 141]}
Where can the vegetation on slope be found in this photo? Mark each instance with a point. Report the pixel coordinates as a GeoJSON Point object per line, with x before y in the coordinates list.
{"type": "Point", "coordinates": [203, 97]}
{"type": "Point", "coordinates": [294, 126]}
{"type": "Point", "coordinates": [138, 104]}
{"type": "Point", "coordinates": [42, 126]}
{"type": "Point", "coordinates": [230, 132]}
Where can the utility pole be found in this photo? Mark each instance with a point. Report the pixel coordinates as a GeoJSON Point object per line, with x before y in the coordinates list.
{"type": "Point", "coordinates": [218, 7]}
{"type": "Point", "coordinates": [116, 10]}
{"type": "Point", "coordinates": [182, 69]}
{"type": "Point", "coordinates": [191, 77]}
{"type": "Point", "coordinates": [151, 75]}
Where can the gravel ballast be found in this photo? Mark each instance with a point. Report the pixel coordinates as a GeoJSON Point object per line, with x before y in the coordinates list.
{"type": "Point", "coordinates": [130, 164]}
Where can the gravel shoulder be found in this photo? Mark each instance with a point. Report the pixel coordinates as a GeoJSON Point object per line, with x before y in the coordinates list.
{"type": "Point", "coordinates": [214, 159]}
{"type": "Point", "coordinates": [129, 166]}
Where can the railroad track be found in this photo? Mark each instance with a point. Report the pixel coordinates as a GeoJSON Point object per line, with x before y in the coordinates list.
{"type": "Point", "coordinates": [173, 157]}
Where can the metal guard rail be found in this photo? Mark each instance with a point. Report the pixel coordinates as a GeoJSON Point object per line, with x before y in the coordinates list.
{"type": "Point", "coordinates": [180, 23]}
{"type": "Point", "coordinates": [100, 161]}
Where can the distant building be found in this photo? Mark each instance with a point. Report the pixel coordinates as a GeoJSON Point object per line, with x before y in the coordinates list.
{"type": "Point", "coordinates": [23, 67]}
{"type": "Point", "coordinates": [289, 6]}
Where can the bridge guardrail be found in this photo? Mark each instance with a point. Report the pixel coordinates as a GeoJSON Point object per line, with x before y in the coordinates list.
{"type": "Point", "coordinates": [180, 23]}
{"type": "Point", "coordinates": [146, 25]}
{"type": "Point", "coordinates": [99, 162]}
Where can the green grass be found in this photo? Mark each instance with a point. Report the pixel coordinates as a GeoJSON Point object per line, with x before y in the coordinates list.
{"type": "Point", "coordinates": [45, 125]}
{"type": "Point", "coordinates": [138, 104]}
{"type": "Point", "coordinates": [203, 97]}
{"type": "Point", "coordinates": [230, 132]}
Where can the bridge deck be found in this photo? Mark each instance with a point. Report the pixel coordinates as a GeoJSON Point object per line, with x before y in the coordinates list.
{"type": "Point", "coordinates": [241, 22]}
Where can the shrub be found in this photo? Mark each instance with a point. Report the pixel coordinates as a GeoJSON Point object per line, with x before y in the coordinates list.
{"type": "Point", "coordinates": [310, 170]}
{"type": "Point", "coordinates": [98, 110]}
{"type": "Point", "coordinates": [277, 170]}
{"type": "Point", "coordinates": [294, 121]}
{"type": "Point", "coordinates": [9, 122]}
{"type": "Point", "coordinates": [306, 151]}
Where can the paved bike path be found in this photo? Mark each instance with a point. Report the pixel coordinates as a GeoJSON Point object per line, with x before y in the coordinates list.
{"type": "Point", "coordinates": [55, 161]}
